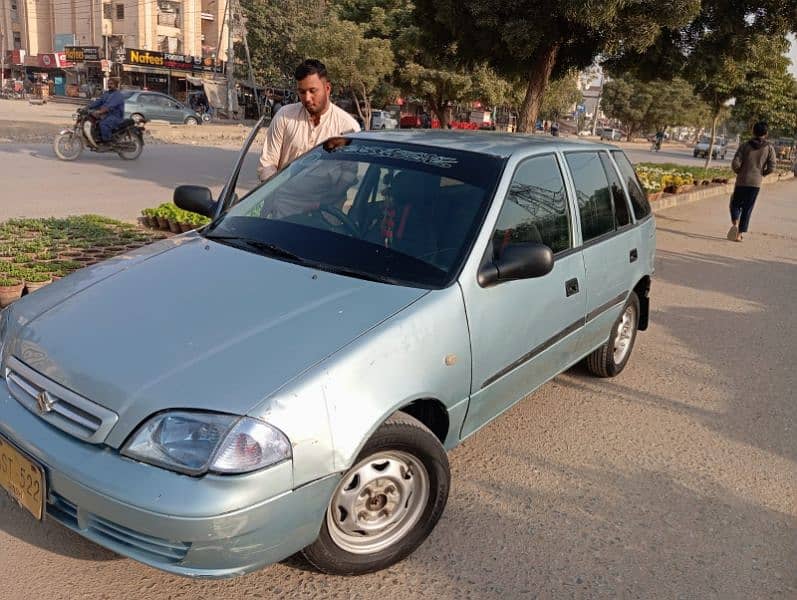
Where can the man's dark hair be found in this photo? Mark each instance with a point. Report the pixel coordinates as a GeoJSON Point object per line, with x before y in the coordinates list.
{"type": "Point", "coordinates": [310, 67]}
{"type": "Point", "coordinates": [760, 129]}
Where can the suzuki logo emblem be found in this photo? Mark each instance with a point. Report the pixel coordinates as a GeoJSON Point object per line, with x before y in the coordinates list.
{"type": "Point", "coordinates": [44, 402]}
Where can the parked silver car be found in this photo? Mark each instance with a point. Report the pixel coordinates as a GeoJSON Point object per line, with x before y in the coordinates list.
{"type": "Point", "coordinates": [153, 106]}
{"type": "Point", "coordinates": [290, 377]}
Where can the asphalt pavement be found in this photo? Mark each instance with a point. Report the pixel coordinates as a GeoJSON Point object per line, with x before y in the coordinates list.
{"type": "Point", "coordinates": [677, 479]}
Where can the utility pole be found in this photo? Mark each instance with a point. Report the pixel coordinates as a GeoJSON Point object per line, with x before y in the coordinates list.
{"type": "Point", "coordinates": [249, 63]}
{"type": "Point", "coordinates": [2, 59]}
{"type": "Point", "coordinates": [230, 61]}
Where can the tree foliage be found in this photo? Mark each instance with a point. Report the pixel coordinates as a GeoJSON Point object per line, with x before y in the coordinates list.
{"type": "Point", "coordinates": [768, 92]}
{"type": "Point", "coordinates": [354, 62]}
{"type": "Point", "coordinates": [273, 29]}
{"type": "Point", "coordinates": [535, 40]}
{"type": "Point", "coordinates": [648, 106]}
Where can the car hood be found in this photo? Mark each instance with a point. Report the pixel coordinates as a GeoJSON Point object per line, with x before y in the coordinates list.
{"type": "Point", "coordinates": [195, 325]}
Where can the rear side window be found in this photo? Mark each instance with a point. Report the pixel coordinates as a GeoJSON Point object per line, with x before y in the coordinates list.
{"type": "Point", "coordinates": [621, 214]}
{"type": "Point", "coordinates": [592, 194]}
{"type": "Point", "coordinates": [535, 209]}
{"type": "Point", "coordinates": [639, 200]}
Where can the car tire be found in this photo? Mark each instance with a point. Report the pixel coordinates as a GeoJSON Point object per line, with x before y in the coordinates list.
{"type": "Point", "coordinates": [376, 484]}
{"type": "Point", "coordinates": [191, 121]}
{"type": "Point", "coordinates": [696, 154]}
{"type": "Point", "coordinates": [610, 359]}
{"type": "Point", "coordinates": [138, 118]}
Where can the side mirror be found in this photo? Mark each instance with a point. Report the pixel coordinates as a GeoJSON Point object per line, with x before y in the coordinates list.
{"type": "Point", "coordinates": [196, 199]}
{"type": "Point", "coordinates": [524, 260]}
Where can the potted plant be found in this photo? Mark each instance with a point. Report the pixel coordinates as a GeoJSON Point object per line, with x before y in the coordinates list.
{"type": "Point", "coordinates": [10, 289]}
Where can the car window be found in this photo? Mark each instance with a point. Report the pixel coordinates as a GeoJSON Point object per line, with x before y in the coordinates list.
{"type": "Point", "coordinates": [621, 214]}
{"type": "Point", "coordinates": [639, 200]}
{"type": "Point", "coordinates": [400, 213]}
{"type": "Point", "coordinates": [146, 99]}
{"type": "Point", "coordinates": [535, 208]}
{"type": "Point", "coordinates": [592, 194]}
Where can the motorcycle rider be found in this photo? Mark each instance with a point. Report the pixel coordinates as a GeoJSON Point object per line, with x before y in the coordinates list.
{"type": "Point", "coordinates": [110, 108]}
{"type": "Point", "coordinates": [659, 139]}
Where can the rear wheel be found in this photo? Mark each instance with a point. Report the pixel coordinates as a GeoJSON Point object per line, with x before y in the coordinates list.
{"type": "Point", "coordinates": [610, 359]}
{"type": "Point", "coordinates": [191, 121]}
{"type": "Point", "coordinates": [130, 145]}
{"type": "Point", "coordinates": [387, 504]}
{"type": "Point", "coordinates": [68, 146]}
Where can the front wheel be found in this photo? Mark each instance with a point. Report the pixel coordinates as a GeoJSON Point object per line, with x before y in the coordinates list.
{"type": "Point", "coordinates": [191, 121]}
{"type": "Point", "coordinates": [138, 118]}
{"type": "Point", "coordinates": [610, 359]}
{"type": "Point", "coordinates": [68, 146]}
{"type": "Point", "coordinates": [387, 503]}
{"type": "Point", "coordinates": [130, 146]}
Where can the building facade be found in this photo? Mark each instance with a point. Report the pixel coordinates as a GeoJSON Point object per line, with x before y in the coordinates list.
{"type": "Point", "coordinates": [183, 39]}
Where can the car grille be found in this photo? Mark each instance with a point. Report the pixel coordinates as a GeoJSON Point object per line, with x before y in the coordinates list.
{"type": "Point", "coordinates": [57, 405]}
{"type": "Point", "coordinates": [113, 536]}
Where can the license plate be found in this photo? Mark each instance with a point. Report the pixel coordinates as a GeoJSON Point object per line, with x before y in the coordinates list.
{"type": "Point", "coordinates": [22, 478]}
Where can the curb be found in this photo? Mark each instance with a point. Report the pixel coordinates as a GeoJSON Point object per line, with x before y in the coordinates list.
{"type": "Point", "coordinates": [673, 200]}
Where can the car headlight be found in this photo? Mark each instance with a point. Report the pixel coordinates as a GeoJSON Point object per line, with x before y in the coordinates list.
{"type": "Point", "coordinates": [198, 442]}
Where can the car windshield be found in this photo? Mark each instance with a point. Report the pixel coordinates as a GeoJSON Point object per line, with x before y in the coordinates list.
{"type": "Point", "coordinates": [399, 213]}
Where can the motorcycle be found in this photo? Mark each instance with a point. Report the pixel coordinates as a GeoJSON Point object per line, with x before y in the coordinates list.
{"type": "Point", "coordinates": [127, 140]}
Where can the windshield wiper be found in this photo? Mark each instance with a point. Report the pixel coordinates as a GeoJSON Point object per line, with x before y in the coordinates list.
{"type": "Point", "coordinates": [266, 247]}
{"type": "Point", "coordinates": [355, 273]}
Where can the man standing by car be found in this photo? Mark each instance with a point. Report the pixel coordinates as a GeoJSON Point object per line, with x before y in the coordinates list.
{"type": "Point", "coordinates": [299, 127]}
{"type": "Point", "coordinates": [109, 107]}
{"type": "Point", "coordinates": [752, 161]}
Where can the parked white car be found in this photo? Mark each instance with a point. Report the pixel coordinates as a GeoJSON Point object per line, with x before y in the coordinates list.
{"type": "Point", "coordinates": [381, 119]}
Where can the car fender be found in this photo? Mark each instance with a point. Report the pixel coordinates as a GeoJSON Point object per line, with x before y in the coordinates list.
{"type": "Point", "coordinates": [330, 412]}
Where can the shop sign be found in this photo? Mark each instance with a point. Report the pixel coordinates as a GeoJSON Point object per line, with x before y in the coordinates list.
{"type": "Point", "coordinates": [147, 58]}
{"type": "Point", "coordinates": [54, 60]}
{"type": "Point", "coordinates": [82, 53]}
{"type": "Point", "coordinates": [143, 58]}
{"type": "Point", "coordinates": [16, 57]}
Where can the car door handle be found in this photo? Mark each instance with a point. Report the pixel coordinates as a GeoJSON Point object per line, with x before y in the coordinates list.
{"type": "Point", "coordinates": [571, 287]}
{"type": "Point", "coordinates": [633, 256]}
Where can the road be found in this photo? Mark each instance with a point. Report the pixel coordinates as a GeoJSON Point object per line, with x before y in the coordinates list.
{"type": "Point", "coordinates": [120, 189]}
{"type": "Point", "coordinates": [676, 479]}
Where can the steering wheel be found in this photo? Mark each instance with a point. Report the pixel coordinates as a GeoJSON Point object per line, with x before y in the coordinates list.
{"type": "Point", "coordinates": [338, 214]}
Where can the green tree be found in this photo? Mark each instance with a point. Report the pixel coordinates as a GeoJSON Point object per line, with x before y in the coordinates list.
{"type": "Point", "coordinates": [355, 62]}
{"type": "Point", "coordinates": [716, 50]}
{"type": "Point", "coordinates": [768, 90]}
{"type": "Point", "coordinates": [535, 40]}
{"type": "Point", "coordinates": [273, 28]}
{"type": "Point", "coordinates": [560, 97]}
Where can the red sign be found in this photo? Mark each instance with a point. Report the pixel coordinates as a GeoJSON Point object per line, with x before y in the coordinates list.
{"type": "Point", "coordinates": [54, 60]}
{"type": "Point", "coordinates": [17, 57]}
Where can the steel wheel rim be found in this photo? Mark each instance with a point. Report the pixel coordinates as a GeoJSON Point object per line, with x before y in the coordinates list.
{"type": "Point", "coordinates": [378, 502]}
{"type": "Point", "coordinates": [624, 335]}
{"type": "Point", "coordinates": [68, 145]}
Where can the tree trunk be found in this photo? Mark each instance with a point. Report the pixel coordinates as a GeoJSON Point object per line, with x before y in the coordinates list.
{"type": "Point", "coordinates": [367, 103]}
{"type": "Point", "coordinates": [438, 106]}
{"type": "Point", "coordinates": [713, 134]}
{"type": "Point", "coordinates": [539, 76]}
{"type": "Point", "coordinates": [366, 123]}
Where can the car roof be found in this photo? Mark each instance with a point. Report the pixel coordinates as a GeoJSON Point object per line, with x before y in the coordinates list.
{"type": "Point", "coordinates": [484, 142]}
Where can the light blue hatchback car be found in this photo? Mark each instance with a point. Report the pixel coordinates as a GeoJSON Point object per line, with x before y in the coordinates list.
{"type": "Point", "coordinates": [291, 377]}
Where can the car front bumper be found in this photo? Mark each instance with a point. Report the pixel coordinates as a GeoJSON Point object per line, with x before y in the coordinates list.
{"type": "Point", "coordinates": [194, 527]}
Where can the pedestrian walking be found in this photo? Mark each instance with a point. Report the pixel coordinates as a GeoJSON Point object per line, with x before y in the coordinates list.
{"type": "Point", "coordinates": [752, 162]}
{"type": "Point", "coordinates": [299, 127]}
